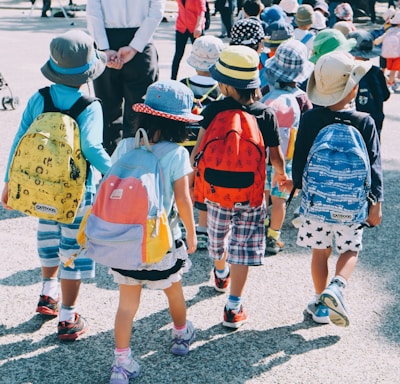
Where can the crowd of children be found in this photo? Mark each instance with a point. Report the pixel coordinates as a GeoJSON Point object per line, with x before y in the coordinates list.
{"type": "Point", "coordinates": [320, 75]}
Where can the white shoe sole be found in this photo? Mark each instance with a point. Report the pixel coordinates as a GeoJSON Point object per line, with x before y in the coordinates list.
{"type": "Point", "coordinates": [337, 313]}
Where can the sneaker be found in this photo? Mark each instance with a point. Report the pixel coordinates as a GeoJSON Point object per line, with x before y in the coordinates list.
{"type": "Point", "coordinates": [318, 312]}
{"type": "Point", "coordinates": [47, 306]}
{"type": "Point", "coordinates": [221, 284]}
{"type": "Point", "coordinates": [233, 319]}
{"type": "Point", "coordinates": [72, 330]}
{"type": "Point", "coordinates": [333, 299]}
{"type": "Point", "coordinates": [120, 374]}
{"type": "Point", "coordinates": [202, 240]}
{"type": "Point", "coordinates": [181, 341]}
{"type": "Point", "coordinates": [273, 246]}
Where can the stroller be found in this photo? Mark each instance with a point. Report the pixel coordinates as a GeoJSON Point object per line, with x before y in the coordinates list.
{"type": "Point", "coordinates": [9, 101]}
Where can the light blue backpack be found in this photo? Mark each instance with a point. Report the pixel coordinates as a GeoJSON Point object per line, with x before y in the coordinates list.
{"type": "Point", "coordinates": [337, 177]}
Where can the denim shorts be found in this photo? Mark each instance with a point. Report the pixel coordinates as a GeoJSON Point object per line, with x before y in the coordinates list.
{"type": "Point", "coordinates": [239, 231]}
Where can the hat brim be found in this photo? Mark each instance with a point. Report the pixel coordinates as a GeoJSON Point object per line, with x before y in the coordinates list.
{"type": "Point", "coordinates": [347, 46]}
{"type": "Point", "coordinates": [374, 52]}
{"type": "Point", "coordinates": [236, 83]}
{"type": "Point", "coordinates": [328, 99]}
{"type": "Point", "coordinates": [200, 64]}
{"type": "Point", "coordinates": [186, 117]}
{"type": "Point", "coordinates": [76, 80]}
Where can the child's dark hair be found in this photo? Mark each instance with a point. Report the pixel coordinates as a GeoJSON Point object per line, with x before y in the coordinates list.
{"type": "Point", "coordinates": [252, 7]}
{"type": "Point", "coordinates": [170, 130]}
{"type": "Point", "coordinates": [247, 94]}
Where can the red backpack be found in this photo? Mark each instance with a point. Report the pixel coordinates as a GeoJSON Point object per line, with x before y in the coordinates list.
{"type": "Point", "coordinates": [230, 165]}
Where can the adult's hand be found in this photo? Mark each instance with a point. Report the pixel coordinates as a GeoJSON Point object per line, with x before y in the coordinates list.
{"type": "Point", "coordinates": [126, 54]}
{"type": "Point", "coordinates": [112, 59]}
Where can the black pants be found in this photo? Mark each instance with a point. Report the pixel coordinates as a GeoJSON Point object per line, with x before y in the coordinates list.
{"type": "Point", "coordinates": [180, 45]}
{"type": "Point", "coordinates": [120, 89]}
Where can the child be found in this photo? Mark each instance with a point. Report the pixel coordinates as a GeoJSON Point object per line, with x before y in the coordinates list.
{"type": "Point", "coordinates": [391, 50]}
{"type": "Point", "coordinates": [372, 90]}
{"type": "Point", "coordinates": [290, 7]}
{"type": "Point", "coordinates": [252, 9]}
{"type": "Point", "coordinates": [73, 61]}
{"type": "Point", "coordinates": [166, 109]}
{"type": "Point", "coordinates": [330, 40]}
{"type": "Point", "coordinates": [236, 236]}
{"type": "Point", "coordinates": [333, 85]}
{"type": "Point", "coordinates": [378, 33]}
{"type": "Point", "coordinates": [284, 71]}
{"type": "Point", "coordinates": [204, 54]}
{"type": "Point", "coordinates": [344, 12]}
{"type": "Point", "coordinates": [304, 19]}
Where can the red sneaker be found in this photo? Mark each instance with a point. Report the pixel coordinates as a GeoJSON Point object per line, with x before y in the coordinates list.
{"type": "Point", "coordinates": [221, 284]}
{"type": "Point", "coordinates": [233, 319]}
{"type": "Point", "coordinates": [47, 306]}
{"type": "Point", "coordinates": [72, 330]}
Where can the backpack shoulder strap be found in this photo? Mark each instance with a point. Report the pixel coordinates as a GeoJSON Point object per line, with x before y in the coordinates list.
{"type": "Point", "coordinates": [48, 101]}
{"type": "Point", "coordinates": [307, 37]}
{"type": "Point", "coordinates": [79, 106]}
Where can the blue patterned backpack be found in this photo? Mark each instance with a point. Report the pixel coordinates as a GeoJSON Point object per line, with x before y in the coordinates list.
{"type": "Point", "coordinates": [337, 177]}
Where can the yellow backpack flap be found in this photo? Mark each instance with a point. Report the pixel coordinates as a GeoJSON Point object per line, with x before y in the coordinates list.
{"type": "Point", "coordinates": [48, 172]}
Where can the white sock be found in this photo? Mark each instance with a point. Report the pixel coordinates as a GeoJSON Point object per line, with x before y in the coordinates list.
{"type": "Point", "coordinates": [223, 274]}
{"type": "Point", "coordinates": [67, 313]}
{"type": "Point", "coordinates": [340, 281]}
{"type": "Point", "coordinates": [50, 287]}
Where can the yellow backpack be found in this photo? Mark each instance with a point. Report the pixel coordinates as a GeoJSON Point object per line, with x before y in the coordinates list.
{"type": "Point", "coordinates": [48, 172]}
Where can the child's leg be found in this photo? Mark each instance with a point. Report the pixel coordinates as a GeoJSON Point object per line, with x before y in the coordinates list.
{"type": "Point", "coordinates": [177, 304]}
{"type": "Point", "coordinates": [349, 241]}
{"type": "Point", "coordinates": [183, 332]}
{"type": "Point", "coordinates": [48, 243]}
{"type": "Point", "coordinates": [124, 366]}
{"type": "Point", "coordinates": [129, 300]}
{"type": "Point", "coordinates": [319, 268]}
{"type": "Point", "coordinates": [239, 275]}
{"type": "Point", "coordinates": [346, 264]}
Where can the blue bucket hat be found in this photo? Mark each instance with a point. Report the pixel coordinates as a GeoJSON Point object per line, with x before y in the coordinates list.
{"type": "Point", "coordinates": [272, 13]}
{"type": "Point", "coordinates": [169, 99]}
{"type": "Point", "coordinates": [277, 33]}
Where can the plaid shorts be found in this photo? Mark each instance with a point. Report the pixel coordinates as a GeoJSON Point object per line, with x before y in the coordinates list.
{"type": "Point", "coordinates": [239, 231]}
{"type": "Point", "coordinates": [318, 235]}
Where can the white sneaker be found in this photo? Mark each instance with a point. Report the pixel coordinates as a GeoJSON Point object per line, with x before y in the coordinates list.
{"type": "Point", "coordinates": [181, 340]}
{"type": "Point", "coordinates": [122, 372]}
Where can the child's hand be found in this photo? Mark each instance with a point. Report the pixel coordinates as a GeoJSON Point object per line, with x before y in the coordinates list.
{"type": "Point", "coordinates": [375, 214]}
{"type": "Point", "coordinates": [4, 197]}
{"type": "Point", "coordinates": [112, 59]}
{"type": "Point", "coordinates": [191, 242]}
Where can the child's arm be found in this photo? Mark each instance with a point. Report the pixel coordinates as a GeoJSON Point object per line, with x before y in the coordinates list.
{"type": "Point", "coordinates": [278, 162]}
{"type": "Point", "coordinates": [185, 209]}
{"type": "Point", "coordinates": [375, 214]}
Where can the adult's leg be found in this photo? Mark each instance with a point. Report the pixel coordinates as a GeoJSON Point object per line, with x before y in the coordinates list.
{"type": "Point", "coordinates": [137, 75]}
{"type": "Point", "coordinates": [180, 44]}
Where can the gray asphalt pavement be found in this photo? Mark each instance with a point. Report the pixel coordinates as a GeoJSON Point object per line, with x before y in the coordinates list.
{"type": "Point", "coordinates": [279, 344]}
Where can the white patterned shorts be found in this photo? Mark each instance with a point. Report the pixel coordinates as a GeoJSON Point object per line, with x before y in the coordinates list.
{"type": "Point", "coordinates": [318, 235]}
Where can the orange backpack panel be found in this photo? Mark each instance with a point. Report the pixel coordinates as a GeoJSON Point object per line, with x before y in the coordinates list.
{"type": "Point", "coordinates": [230, 165]}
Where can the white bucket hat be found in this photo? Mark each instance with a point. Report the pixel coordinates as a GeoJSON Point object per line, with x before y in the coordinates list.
{"type": "Point", "coordinates": [205, 52]}
{"type": "Point", "coordinates": [335, 75]}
